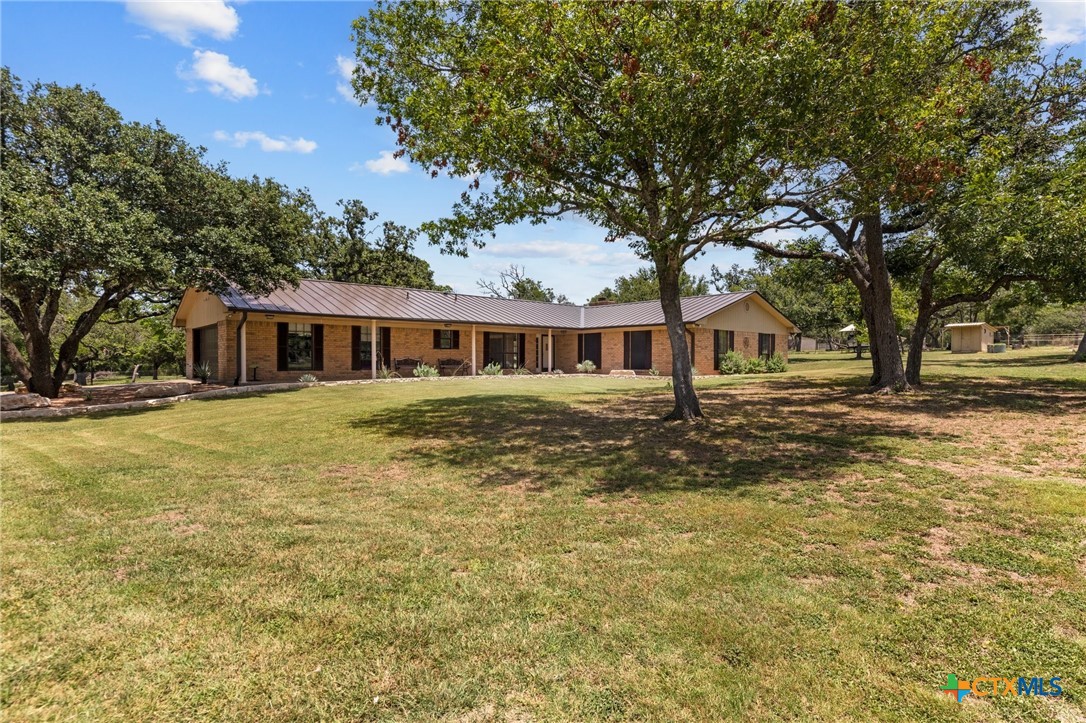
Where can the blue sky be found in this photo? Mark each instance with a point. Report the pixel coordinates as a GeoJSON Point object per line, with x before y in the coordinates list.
{"type": "Point", "coordinates": [263, 86]}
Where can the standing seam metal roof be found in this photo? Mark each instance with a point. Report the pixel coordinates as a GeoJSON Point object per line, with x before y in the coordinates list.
{"type": "Point", "coordinates": [335, 298]}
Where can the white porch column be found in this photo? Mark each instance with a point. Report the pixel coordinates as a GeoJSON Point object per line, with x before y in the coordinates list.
{"type": "Point", "coordinates": [473, 349]}
{"type": "Point", "coordinates": [550, 351]}
{"type": "Point", "coordinates": [373, 348]}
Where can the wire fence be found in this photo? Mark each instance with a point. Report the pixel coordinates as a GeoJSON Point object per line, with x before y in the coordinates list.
{"type": "Point", "coordinates": [1051, 339]}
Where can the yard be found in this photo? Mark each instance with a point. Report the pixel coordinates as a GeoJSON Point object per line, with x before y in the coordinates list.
{"type": "Point", "coordinates": [531, 548]}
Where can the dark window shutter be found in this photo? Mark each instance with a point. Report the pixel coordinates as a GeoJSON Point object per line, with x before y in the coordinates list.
{"type": "Point", "coordinates": [486, 348]}
{"type": "Point", "coordinates": [521, 349]}
{"type": "Point", "coordinates": [318, 347]}
{"type": "Point", "coordinates": [731, 341]}
{"type": "Point", "coordinates": [456, 339]}
{"type": "Point", "coordinates": [648, 340]}
{"type": "Point", "coordinates": [282, 330]}
{"type": "Point", "coordinates": [626, 350]}
{"type": "Point", "coordinates": [386, 346]}
{"type": "Point", "coordinates": [196, 346]}
{"type": "Point", "coordinates": [580, 348]}
{"type": "Point", "coordinates": [437, 338]}
{"type": "Point", "coordinates": [716, 348]}
{"type": "Point", "coordinates": [356, 348]}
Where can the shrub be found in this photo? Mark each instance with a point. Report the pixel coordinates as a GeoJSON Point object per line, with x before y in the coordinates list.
{"type": "Point", "coordinates": [492, 369]}
{"type": "Point", "coordinates": [694, 371]}
{"type": "Point", "coordinates": [776, 364]}
{"type": "Point", "coordinates": [753, 366]}
{"type": "Point", "coordinates": [586, 367]}
{"type": "Point", "coordinates": [307, 379]}
{"type": "Point", "coordinates": [521, 371]}
{"type": "Point", "coordinates": [654, 372]}
{"type": "Point", "coordinates": [384, 372]}
{"type": "Point", "coordinates": [733, 363]}
{"type": "Point", "coordinates": [425, 370]}
{"type": "Point", "coordinates": [202, 371]}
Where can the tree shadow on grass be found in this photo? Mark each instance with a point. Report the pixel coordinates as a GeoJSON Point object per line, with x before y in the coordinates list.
{"type": "Point", "coordinates": [791, 430]}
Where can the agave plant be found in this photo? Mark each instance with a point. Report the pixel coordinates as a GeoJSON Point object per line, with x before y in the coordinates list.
{"type": "Point", "coordinates": [586, 367]}
{"type": "Point", "coordinates": [202, 371]}
{"type": "Point", "coordinates": [384, 372]}
{"type": "Point", "coordinates": [307, 379]}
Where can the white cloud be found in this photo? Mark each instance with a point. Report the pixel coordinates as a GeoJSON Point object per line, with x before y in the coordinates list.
{"type": "Point", "coordinates": [387, 163]}
{"type": "Point", "coordinates": [345, 69]}
{"type": "Point", "coordinates": [282, 144]}
{"type": "Point", "coordinates": [580, 254]}
{"type": "Point", "coordinates": [1063, 22]}
{"type": "Point", "coordinates": [222, 77]}
{"type": "Point", "coordinates": [182, 20]}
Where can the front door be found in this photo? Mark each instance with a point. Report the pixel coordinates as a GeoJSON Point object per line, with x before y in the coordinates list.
{"type": "Point", "coordinates": [544, 347]}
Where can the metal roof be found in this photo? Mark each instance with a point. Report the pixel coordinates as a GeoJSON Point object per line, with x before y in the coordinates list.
{"type": "Point", "coordinates": [335, 298]}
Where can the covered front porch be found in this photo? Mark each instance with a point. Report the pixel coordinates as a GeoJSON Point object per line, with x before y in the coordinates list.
{"type": "Point", "coordinates": [240, 348]}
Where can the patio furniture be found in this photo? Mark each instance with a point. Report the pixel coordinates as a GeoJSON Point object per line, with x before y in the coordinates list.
{"type": "Point", "coordinates": [450, 367]}
{"type": "Point", "coordinates": [406, 367]}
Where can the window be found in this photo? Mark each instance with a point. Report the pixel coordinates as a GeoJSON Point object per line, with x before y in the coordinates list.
{"type": "Point", "coordinates": [364, 346]}
{"type": "Point", "coordinates": [723, 342]}
{"type": "Point", "coordinates": [446, 339]}
{"type": "Point", "coordinates": [300, 347]}
{"type": "Point", "coordinates": [590, 347]}
{"type": "Point", "coordinates": [503, 349]}
{"type": "Point", "coordinates": [767, 345]}
{"type": "Point", "coordinates": [637, 350]}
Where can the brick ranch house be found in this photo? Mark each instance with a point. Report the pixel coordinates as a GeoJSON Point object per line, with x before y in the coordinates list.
{"type": "Point", "coordinates": [339, 330]}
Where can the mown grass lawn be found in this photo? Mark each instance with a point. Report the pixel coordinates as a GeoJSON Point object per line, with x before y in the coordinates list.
{"type": "Point", "coordinates": [546, 549]}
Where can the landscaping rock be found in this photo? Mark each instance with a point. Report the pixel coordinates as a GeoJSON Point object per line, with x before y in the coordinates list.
{"type": "Point", "coordinates": [72, 389]}
{"type": "Point", "coordinates": [623, 373]}
{"type": "Point", "coordinates": [165, 389]}
{"type": "Point", "coordinates": [9, 402]}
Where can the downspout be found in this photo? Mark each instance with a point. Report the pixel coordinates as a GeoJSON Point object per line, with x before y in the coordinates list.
{"type": "Point", "coordinates": [237, 352]}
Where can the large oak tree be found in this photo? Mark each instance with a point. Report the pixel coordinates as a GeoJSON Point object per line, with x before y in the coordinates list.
{"type": "Point", "coordinates": [661, 123]}
{"type": "Point", "coordinates": [108, 210]}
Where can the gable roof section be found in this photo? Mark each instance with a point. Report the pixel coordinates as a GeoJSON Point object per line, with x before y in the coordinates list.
{"type": "Point", "coordinates": [335, 298]}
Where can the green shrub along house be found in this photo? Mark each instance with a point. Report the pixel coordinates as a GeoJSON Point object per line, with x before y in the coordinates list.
{"type": "Point", "coordinates": [337, 330]}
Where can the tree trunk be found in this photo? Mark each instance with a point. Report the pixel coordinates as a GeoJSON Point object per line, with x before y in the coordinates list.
{"type": "Point", "coordinates": [925, 309]}
{"type": "Point", "coordinates": [890, 370]}
{"type": "Point", "coordinates": [1080, 355]}
{"type": "Point", "coordinates": [687, 406]}
{"type": "Point", "coordinates": [154, 371]}
{"type": "Point", "coordinates": [916, 348]}
{"type": "Point", "coordinates": [867, 305]}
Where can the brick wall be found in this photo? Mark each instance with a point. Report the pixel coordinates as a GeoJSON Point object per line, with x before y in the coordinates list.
{"type": "Point", "coordinates": [261, 340]}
